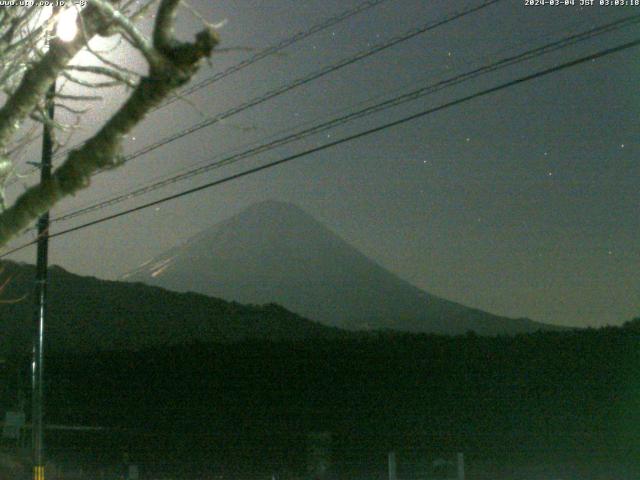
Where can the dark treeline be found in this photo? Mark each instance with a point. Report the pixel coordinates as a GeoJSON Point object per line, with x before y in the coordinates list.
{"type": "Point", "coordinates": [564, 393]}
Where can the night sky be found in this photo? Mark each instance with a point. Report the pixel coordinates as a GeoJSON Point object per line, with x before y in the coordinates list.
{"type": "Point", "coordinates": [523, 203]}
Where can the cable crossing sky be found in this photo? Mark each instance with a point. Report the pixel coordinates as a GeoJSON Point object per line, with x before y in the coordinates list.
{"type": "Point", "coordinates": [385, 126]}
{"type": "Point", "coordinates": [390, 103]}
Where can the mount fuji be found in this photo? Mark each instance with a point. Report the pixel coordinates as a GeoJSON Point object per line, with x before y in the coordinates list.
{"type": "Point", "coordinates": [274, 252]}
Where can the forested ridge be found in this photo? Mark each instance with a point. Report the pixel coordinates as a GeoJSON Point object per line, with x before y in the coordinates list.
{"type": "Point", "coordinates": [560, 391]}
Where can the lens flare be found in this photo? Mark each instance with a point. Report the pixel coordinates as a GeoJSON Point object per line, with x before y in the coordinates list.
{"type": "Point", "coordinates": [66, 28]}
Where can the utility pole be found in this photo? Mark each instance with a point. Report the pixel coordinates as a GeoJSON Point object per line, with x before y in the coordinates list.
{"type": "Point", "coordinates": [37, 361]}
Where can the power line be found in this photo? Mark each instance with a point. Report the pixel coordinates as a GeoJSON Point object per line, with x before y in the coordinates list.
{"type": "Point", "coordinates": [398, 100]}
{"type": "Point", "coordinates": [346, 139]}
{"type": "Point", "coordinates": [562, 43]}
{"type": "Point", "coordinates": [367, 111]}
{"type": "Point", "coordinates": [311, 77]}
{"type": "Point", "coordinates": [412, 33]}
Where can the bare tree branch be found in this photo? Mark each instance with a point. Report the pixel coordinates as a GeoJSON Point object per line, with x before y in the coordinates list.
{"type": "Point", "coordinates": [117, 76]}
{"type": "Point", "coordinates": [171, 64]}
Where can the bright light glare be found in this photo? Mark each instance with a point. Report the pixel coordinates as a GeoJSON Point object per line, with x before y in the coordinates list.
{"type": "Point", "coordinates": [66, 28]}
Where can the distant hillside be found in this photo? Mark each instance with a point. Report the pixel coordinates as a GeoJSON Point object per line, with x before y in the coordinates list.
{"type": "Point", "coordinates": [275, 252]}
{"type": "Point", "coordinates": [87, 314]}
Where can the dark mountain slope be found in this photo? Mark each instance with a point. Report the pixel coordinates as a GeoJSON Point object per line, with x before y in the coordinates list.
{"type": "Point", "coordinates": [87, 314]}
{"type": "Point", "coordinates": [275, 252]}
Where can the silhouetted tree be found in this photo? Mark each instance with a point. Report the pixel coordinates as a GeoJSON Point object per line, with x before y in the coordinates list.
{"type": "Point", "coordinates": [28, 68]}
